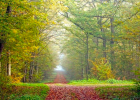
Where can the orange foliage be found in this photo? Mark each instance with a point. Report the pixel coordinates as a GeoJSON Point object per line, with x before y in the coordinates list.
{"type": "Point", "coordinates": [16, 78]}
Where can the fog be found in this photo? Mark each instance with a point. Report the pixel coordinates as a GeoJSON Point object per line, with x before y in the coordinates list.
{"type": "Point", "coordinates": [59, 67]}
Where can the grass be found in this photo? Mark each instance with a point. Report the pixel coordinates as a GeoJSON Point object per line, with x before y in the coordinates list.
{"type": "Point", "coordinates": [111, 89]}
{"type": "Point", "coordinates": [116, 89]}
{"type": "Point", "coordinates": [30, 84]}
{"type": "Point", "coordinates": [25, 91]}
{"type": "Point", "coordinates": [118, 92]}
{"type": "Point", "coordinates": [101, 82]}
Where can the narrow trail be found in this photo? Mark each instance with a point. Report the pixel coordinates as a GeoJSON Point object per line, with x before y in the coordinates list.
{"type": "Point", "coordinates": [60, 78]}
{"type": "Point", "coordinates": [68, 92]}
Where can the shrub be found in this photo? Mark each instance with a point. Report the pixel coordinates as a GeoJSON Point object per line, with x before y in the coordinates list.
{"type": "Point", "coordinates": [4, 80]}
{"type": "Point", "coordinates": [117, 92]}
{"type": "Point", "coordinates": [102, 69]}
{"type": "Point", "coordinates": [20, 91]}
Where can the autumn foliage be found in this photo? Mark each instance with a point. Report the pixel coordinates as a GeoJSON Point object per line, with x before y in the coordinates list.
{"type": "Point", "coordinates": [72, 93]}
{"type": "Point", "coordinates": [102, 69]}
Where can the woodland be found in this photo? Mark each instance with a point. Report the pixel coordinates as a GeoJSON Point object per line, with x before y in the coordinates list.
{"type": "Point", "coordinates": [99, 39]}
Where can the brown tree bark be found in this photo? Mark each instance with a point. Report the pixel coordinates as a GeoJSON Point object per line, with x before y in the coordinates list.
{"type": "Point", "coordinates": [8, 64]}
{"type": "Point", "coordinates": [25, 72]}
{"type": "Point", "coordinates": [31, 71]}
{"type": "Point", "coordinates": [112, 59]}
{"type": "Point", "coordinates": [104, 38]}
{"type": "Point", "coordinates": [1, 47]}
{"type": "Point", "coordinates": [87, 56]}
{"type": "Point", "coordinates": [2, 42]}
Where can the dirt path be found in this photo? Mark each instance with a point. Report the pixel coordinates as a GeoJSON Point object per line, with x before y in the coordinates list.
{"type": "Point", "coordinates": [60, 78]}
{"type": "Point", "coordinates": [68, 92]}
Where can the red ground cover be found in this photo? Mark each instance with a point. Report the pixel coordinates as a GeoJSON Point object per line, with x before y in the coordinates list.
{"type": "Point", "coordinates": [60, 78]}
{"type": "Point", "coordinates": [67, 92]}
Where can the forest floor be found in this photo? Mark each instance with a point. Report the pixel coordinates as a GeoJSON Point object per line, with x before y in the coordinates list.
{"type": "Point", "coordinates": [59, 90]}
{"type": "Point", "coordinates": [68, 92]}
{"type": "Point", "coordinates": [63, 91]}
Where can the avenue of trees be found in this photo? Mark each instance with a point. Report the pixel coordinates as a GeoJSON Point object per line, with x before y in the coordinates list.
{"type": "Point", "coordinates": [25, 27]}
{"type": "Point", "coordinates": [99, 38]}
{"type": "Point", "coordinates": [103, 39]}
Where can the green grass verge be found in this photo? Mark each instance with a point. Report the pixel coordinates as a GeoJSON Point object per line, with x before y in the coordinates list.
{"type": "Point", "coordinates": [118, 92]}
{"type": "Point", "coordinates": [25, 91]}
{"type": "Point", "coordinates": [30, 84]}
{"type": "Point", "coordinates": [100, 82]}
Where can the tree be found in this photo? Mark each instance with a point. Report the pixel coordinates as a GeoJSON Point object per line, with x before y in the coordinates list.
{"type": "Point", "coordinates": [22, 29]}
{"type": "Point", "coordinates": [102, 22]}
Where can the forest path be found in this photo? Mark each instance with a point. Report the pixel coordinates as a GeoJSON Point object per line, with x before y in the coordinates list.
{"type": "Point", "coordinates": [60, 78]}
{"type": "Point", "coordinates": [68, 92]}
{"type": "Point", "coordinates": [64, 91]}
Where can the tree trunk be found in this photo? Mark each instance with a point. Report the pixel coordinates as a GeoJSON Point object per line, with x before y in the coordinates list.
{"type": "Point", "coordinates": [104, 46]}
{"type": "Point", "coordinates": [0, 67]}
{"type": "Point", "coordinates": [25, 73]}
{"type": "Point", "coordinates": [31, 71]}
{"type": "Point", "coordinates": [137, 54]}
{"type": "Point", "coordinates": [82, 72]}
{"type": "Point", "coordinates": [36, 66]}
{"type": "Point", "coordinates": [87, 56]}
{"type": "Point", "coordinates": [104, 38]}
{"type": "Point", "coordinates": [8, 11]}
{"type": "Point", "coordinates": [9, 64]}
{"type": "Point", "coordinates": [1, 47]}
{"type": "Point", "coordinates": [112, 59]}
{"type": "Point", "coordinates": [82, 68]}
{"type": "Point", "coordinates": [97, 43]}
{"type": "Point", "coordinates": [32, 67]}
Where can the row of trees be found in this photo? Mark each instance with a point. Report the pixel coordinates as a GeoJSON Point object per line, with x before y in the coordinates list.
{"type": "Point", "coordinates": [103, 39]}
{"type": "Point", "coordinates": [25, 35]}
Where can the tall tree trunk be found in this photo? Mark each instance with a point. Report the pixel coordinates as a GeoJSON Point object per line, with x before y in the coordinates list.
{"type": "Point", "coordinates": [0, 67]}
{"type": "Point", "coordinates": [104, 46]}
{"type": "Point", "coordinates": [9, 64]}
{"type": "Point", "coordinates": [25, 73]}
{"type": "Point", "coordinates": [36, 66]}
{"type": "Point", "coordinates": [87, 56]}
{"type": "Point", "coordinates": [8, 11]}
{"type": "Point", "coordinates": [31, 71]}
{"type": "Point", "coordinates": [133, 56]}
{"type": "Point", "coordinates": [82, 72]}
{"type": "Point", "coordinates": [137, 53]}
{"type": "Point", "coordinates": [32, 66]}
{"type": "Point", "coordinates": [112, 59]}
{"type": "Point", "coordinates": [97, 43]}
{"type": "Point", "coordinates": [104, 38]}
{"type": "Point", "coordinates": [1, 47]}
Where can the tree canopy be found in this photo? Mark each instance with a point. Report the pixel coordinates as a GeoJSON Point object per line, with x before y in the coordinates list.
{"type": "Point", "coordinates": [99, 38]}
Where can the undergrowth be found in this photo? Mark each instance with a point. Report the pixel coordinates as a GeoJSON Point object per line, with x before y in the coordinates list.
{"type": "Point", "coordinates": [25, 91]}
{"type": "Point", "coordinates": [118, 92]}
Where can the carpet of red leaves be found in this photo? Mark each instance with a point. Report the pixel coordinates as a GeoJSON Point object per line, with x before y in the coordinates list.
{"type": "Point", "coordinates": [67, 92]}
{"type": "Point", "coordinates": [60, 78]}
